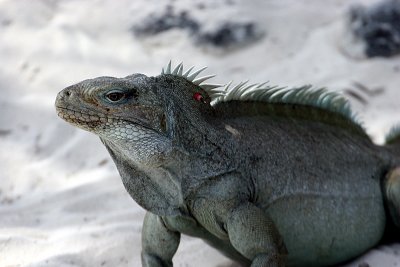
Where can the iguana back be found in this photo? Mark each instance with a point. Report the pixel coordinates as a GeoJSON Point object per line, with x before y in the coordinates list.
{"type": "Point", "coordinates": [311, 176]}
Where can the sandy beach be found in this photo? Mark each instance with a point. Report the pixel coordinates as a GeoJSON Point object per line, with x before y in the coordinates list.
{"type": "Point", "coordinates": [62, 202]}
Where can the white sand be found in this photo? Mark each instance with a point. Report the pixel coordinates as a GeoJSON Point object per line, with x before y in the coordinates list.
{"type": "Point", "coordinates": [61, 200]}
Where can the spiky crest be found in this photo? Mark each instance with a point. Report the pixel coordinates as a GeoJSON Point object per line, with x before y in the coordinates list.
{"type": "Point", "coordinates": [213, 90]}
{"type": "Point", "coordinates": [305, 95]}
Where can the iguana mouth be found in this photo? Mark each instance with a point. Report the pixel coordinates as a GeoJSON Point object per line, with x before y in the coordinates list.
{"type": "Point", "coordinates": [80, 118]}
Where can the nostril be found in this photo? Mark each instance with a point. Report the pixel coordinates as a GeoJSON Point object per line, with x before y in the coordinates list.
{"type": "Point", "coordinates": [67, 93]}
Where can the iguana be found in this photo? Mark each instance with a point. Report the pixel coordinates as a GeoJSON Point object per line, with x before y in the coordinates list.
{"type": "Point", "coordinates": [269, 176]}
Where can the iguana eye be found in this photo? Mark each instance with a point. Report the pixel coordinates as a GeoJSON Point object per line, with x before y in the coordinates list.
{"type": "Point", "coordinates": [115, 96]}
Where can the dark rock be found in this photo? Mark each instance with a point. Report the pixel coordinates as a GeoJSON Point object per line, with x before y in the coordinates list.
{"type": "Point", "coordinates": [227, 34]}
{"type": "Point", "coordinates": [230, 34]}
{"type": "Point", "coordinates": [157, 23]}
{"type": "Point", "coordinates": [379, 27]}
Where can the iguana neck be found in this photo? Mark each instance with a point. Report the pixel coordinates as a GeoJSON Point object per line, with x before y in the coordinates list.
{"type": "Point", "coordinates": [202, 149]}
{"type": "Point", "coordinates": [191, 149]}
{"type": "Point", "coordinates": [176, 166]}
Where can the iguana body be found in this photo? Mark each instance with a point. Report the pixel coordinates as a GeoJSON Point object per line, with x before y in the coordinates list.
{"type": "Point", "coordinates": [270, 177]}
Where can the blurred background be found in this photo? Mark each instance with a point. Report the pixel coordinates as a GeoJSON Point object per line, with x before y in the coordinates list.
{"type": "Point", "coordinates": [61, 200]}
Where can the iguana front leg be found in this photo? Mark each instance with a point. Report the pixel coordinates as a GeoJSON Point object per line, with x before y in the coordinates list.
{"type": "Point", "coordinates": [253, 233]}
{"type": "Point", "coordinates": [159, 244]}
{"type": "Point", "coordinates": [225, 209]}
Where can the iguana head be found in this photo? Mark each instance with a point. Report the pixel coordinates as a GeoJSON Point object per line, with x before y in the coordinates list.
{"type": "Point", "coordinates": [112, 107]}
{"type": "Point", "coordinates": [148, 112]}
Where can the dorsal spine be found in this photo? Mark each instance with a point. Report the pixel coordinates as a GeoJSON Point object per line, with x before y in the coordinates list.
{"type": "Point", "coordinates": [262, 92]}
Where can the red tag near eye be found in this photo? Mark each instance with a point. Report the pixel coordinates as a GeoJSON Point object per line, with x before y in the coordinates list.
{"type": "Point", "coordinates": [198, 97]}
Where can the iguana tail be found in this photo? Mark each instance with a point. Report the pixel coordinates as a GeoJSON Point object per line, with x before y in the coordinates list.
{"type": "Point", "coordinates": [392, 179]}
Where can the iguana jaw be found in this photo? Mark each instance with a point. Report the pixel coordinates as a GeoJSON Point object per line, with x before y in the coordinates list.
{"type": "Point", "coordinates": [83, 120]}
{"type": "Point", "coordinates": [99, 123]}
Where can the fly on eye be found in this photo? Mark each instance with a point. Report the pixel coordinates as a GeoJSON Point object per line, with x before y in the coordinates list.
{"type": "Point", "coordinates": [115, 96]}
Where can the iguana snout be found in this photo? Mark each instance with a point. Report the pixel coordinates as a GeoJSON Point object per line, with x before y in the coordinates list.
{"type": "Point", "coordinates": [84, 118]}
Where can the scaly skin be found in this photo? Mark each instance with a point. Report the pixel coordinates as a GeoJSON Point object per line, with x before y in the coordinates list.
{"type": "Point", "coordinates": [266, 188]}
